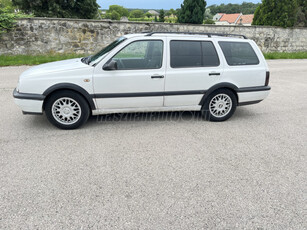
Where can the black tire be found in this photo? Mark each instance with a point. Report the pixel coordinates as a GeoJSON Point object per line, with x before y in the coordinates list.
{"type": "Point", "coordinates": [225, 109]}
{"type": "Point", "coordinates": [74, 102]}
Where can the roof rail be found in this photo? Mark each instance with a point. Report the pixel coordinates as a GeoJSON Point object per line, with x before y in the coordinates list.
{"type": "Point", "coordinates": [196, 33]}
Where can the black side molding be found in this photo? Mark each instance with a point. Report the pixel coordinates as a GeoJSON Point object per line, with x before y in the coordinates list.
{"type": "Point", "coordinates": [148, 94]}
{"type": "Point", "coordinates": [253, 89]}
{"type": "Point", "coordinates": [28, 96]}
{"type": "Point", "coordinates": [31, 113]}
{"type": "Point", "coordinates": [249, 103]}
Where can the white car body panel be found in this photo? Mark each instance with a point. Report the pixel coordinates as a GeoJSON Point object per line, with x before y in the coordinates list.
{"type": "Point", "coordinates": [38, 79]}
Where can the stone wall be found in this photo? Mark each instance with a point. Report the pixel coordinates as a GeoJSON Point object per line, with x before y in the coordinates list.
{"type": "Point", "coordinates": [45, 35]}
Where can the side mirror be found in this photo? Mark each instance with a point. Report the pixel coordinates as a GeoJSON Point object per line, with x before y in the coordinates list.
{"type": "Point", "coordinates": [112, 65]}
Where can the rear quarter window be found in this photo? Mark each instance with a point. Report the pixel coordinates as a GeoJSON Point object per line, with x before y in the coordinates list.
{"type": "Point", "coordinates": [239, 53]}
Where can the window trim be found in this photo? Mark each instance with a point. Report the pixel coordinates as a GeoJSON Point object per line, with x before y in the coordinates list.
{"type": "Point", "coordinates": [202, 56]}
{"type": "Point", "coordinates": [139, 41]}
{"type": "Point", "coordinates": [258, 63]}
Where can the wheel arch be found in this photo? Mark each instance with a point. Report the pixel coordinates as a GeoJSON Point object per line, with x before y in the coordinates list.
{"type": "Point", "coordinates": [225, 85]}
{"type": "Point", "coordinates": [69, 86]}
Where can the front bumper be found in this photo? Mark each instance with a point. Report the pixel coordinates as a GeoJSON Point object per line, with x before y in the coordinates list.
{"type": "Point", "coordinates": [29, 103]}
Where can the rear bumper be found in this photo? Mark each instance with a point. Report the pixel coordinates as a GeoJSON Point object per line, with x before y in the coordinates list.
{"type": "Point", "coordinates": [253, 95]}
{"type": "Point", "coordinates": [29, 103]}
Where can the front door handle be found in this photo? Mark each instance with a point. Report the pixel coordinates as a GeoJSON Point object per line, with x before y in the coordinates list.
{"type": "Point", "coordinates": [157, 76]}
{"type": "Point", "coordinates": [214, 74]}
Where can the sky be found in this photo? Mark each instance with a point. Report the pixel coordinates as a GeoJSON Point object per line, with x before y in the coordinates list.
{"type": "Point", "coordinates": [160, 4]}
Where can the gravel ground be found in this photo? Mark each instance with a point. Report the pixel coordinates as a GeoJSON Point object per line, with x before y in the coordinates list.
{"type": "Point", "coordinates": [163, 173]}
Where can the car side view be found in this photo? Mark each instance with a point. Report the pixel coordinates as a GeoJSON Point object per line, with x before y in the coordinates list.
{"type": "Point", "coordinates": [147, 72]}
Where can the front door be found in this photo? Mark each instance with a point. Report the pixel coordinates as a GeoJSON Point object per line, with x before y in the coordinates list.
{"type": "Point", "coordinates": [138, 79]}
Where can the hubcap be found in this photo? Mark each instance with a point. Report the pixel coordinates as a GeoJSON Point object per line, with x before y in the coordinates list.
{"type": "Point", "coordinates": [220, 105]}
{"type": "Point", "coordinates": [66, 111]}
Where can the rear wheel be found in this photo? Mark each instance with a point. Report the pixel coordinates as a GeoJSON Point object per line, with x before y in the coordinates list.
{"type": "Point", "coordinates": [220, 105]}
{"type": "Point", "coordinates": [67, 110]}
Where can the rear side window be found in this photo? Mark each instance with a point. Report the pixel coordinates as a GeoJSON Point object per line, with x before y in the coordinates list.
{"type": "Point", "coordinates": [185, 54]}
{"type": "Point", "coordinates": [239, 53]}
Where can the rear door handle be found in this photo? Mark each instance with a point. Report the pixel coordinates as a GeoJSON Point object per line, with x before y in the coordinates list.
{"type": "Point", "coordinates": [214, 74]}
{"type": "Point", "coordinates": [157, 76]}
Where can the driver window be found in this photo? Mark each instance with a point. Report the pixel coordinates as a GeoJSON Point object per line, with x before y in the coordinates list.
{"type": "Point", "coordinates": [140, 55]}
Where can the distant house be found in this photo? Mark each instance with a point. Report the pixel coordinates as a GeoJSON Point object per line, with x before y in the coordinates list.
{"type": "Point", "coordinates": [246, 20]}
{"type": "Point", "coordinates": [153, 13]}
{"type": "Point", "coordinates": [217, 16]}
{"type": "Point", "coordinates": [124, 19]}
{"type": "Point", "coordinates": [233, 19]}
{"type": "Point", "coordinates": [228, 19]}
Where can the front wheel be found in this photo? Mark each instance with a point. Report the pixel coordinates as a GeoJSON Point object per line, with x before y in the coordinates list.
{"type": "Point", "coordinates": [220, 105]}
{"type": "Point", "coordinates": [67, 110]}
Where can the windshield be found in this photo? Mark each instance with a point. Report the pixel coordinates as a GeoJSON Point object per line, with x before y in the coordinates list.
{"type": "Point", "coordinates": [105, 50]}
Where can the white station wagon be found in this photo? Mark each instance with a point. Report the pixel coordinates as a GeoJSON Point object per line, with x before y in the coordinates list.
{"type": "Point", "coordinates": [156, 71]}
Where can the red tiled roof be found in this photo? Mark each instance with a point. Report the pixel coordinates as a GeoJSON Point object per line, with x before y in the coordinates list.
{"type": "Point", "coordinates": [246, 19]}
{"type": "Point", "coordinates": [231, 18]}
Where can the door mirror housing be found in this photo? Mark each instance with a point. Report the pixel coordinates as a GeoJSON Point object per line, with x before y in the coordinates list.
{"type": "Point", "coordinates": [112, 65]}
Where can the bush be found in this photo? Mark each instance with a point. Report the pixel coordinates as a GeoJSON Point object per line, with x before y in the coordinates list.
{"type": "Point", "coordinates": [209, 21]}
{"type": "Point", "coordinates": [8, 19]}
{"type": "Point", "coordinates": [141, 19]}
{"type": "Point", "coordinates": [136, 14]}
{"type": "Point", "coordinates": [171, 20]}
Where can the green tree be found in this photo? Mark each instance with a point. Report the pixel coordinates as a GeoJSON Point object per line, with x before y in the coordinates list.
{"type": "Point", "coordinates": [156, 19]}
{"type": "Point", "coordinates": [86, 9]}
{"type": "Point", "coordinates": [172, 12]}
{"type": "Point", "coordinates": [6, 5]}
{"type": "Point", "coordinates": [301, 16]}
{"type": "Point", "coordinates": [148, 15]}
{"type": "Point", "coordinates": [123, 12]}
{"type": "Point", "coordinates": [136, 14]}
{"type": "Point", "coordinates": [192, 11]}
{"type": "Point", "coordinates": [207, 14]}
{"type": "Point", "coordinates": [276, 13]}
{"type": "Point", "coordinates": [162, 16]}
{"type": "Point", "coordinates": [244, 8]}
{"type": "Point", "coordinates": [114, 15]}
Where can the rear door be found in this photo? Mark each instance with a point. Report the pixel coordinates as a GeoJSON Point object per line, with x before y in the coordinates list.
{"type": "Point", "coordinates": [193, 67]}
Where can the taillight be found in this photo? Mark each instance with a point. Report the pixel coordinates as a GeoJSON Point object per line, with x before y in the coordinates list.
{"type": "Point", "coordinates": [267, 78]}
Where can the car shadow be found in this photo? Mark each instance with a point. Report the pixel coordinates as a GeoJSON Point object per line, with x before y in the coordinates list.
{"type": "Point", "coordinates": [147, 117]}
{"type": "Point", "coordinates": [42, 122]}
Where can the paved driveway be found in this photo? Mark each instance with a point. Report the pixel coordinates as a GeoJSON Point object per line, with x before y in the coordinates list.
{"type": "Point", "coordinates": [161, 173]}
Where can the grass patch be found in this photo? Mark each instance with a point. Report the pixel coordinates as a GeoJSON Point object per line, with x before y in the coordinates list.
{"type": "Point", "coordinates": [15, 60]}
{"type": "Point", "coordinates": [298, 55]}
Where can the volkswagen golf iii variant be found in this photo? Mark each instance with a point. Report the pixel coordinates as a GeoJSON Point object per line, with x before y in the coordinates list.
{"type": "Point", "coordinates": [211, 73]}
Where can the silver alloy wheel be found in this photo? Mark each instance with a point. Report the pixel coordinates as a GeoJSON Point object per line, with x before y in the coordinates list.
{"type": "Point", "coordinates": [66, 111]}
{"type": "Point", "coordinates": [220, 105]}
